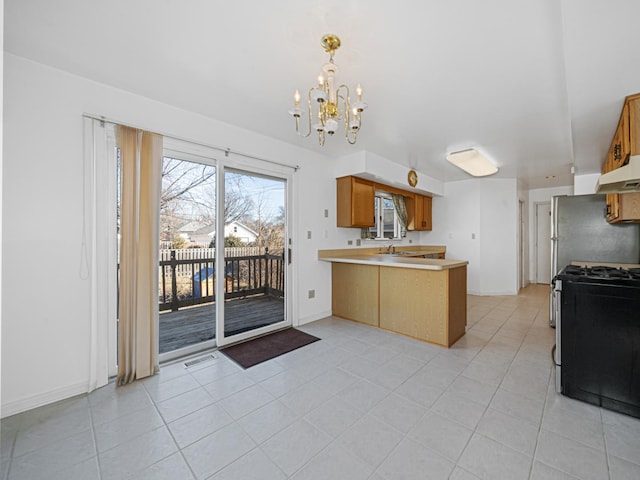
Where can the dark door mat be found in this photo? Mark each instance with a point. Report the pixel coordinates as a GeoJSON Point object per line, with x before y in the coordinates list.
{"type": "Point", "coordinates": [252, 352]}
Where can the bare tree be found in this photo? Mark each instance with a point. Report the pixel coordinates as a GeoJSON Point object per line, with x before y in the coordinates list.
{"type": "Point", "coordinates": [189, 194]}
{"type": "Point", "coordinates": [181, 181]}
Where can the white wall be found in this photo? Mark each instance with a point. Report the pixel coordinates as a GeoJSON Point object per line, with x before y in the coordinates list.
{"type": "Point", "coordinates": [477, 221]}
{"type": "Point", "coordinates": [46, 311]}
{"type": "Point", "coordinates": [539, 195]}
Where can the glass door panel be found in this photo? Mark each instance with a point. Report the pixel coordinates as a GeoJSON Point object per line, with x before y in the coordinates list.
{"type": "Point", "coordinates": [186, 288]}
{"type": "Point", "coordinates": [255, 260]}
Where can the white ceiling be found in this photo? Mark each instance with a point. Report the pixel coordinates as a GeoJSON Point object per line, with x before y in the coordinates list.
{"type": "Point", "coordinates": [536, 84]}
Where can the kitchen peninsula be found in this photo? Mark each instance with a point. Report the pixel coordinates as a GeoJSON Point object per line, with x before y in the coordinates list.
{"type": "Point", "coordinates": [401, 291]}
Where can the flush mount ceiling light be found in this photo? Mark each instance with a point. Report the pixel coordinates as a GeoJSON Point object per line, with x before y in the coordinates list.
{"type": "Point", "coordinates": [472, 162]}
{"type": "Point", "coordinates": [329, 104]}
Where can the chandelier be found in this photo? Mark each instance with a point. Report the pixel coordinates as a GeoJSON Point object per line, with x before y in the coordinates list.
{"type": "Point", "coordinates": [329, 106]}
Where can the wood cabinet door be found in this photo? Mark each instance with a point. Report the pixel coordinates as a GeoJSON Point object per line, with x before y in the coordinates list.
{"type": "Point", "coordinates": [626, 141]}
{"type": "Point", "coordinates": [355, 202]}
{"type": "Point", "coordinates": [620, 146]}
{"type": "Point", "coordinates": [418, 212]}
{"type": "Point", "coordinates": [634, 126]}
{"type": "Point", "coordinates": [613, 207]}
{"type": "Point", "coordinates": [363, 203]}
{"type": "Point", "coordinates": [426, 213]}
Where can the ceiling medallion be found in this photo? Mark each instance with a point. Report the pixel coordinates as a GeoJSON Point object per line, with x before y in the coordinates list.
{"type": "Point", "coordinates": [329, 104]}
{"type": "Point", "coordinates": [412, 178]}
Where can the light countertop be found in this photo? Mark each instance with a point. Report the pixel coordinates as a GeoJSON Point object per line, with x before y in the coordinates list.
{"type": "Point", "coordinates": [400, 261]}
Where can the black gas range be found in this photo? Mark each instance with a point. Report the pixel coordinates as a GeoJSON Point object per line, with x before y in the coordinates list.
{"type": "Point", "coordinates": [602, 273]}
{"type": "Point", "coordinates": [598, 336]}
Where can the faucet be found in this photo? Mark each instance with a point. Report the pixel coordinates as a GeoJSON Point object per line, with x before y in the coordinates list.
{"type": "Point", "coordinates": [391, 248]}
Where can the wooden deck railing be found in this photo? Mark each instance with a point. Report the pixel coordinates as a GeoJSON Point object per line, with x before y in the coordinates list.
{"type": "Point", "coordinates": [191, 281]}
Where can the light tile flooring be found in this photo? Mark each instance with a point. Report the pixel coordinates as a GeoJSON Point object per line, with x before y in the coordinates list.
{"type": "Point", "coordinates": [360, 404]}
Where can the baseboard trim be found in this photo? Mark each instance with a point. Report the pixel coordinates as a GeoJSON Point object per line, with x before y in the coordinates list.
{"type": "Point", "coordinates": [314, 317]}
{"type": "Point", "coordinates": [35, 401]}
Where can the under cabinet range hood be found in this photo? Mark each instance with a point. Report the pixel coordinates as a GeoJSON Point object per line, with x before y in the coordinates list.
{"type": "Point", "coordinates": [621, 180]}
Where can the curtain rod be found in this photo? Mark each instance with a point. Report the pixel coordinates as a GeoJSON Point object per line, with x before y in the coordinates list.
{"type": "Point", "coordinates": [226, 151]}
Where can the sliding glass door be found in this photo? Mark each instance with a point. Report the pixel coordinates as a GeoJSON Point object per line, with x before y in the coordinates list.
{"type": "Point", "coordinates": [256, 258]}
{"type": "Point", "coordinates": [223, 270]}
{"type": "Point", "coordinates": [186, 287]}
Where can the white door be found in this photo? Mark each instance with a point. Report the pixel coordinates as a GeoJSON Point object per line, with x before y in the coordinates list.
{"type": "Point", "coordinates": [543, 242]}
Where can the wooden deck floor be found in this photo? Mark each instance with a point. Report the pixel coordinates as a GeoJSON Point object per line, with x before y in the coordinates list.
{"type": "Point", "coordinates": [197, 324]}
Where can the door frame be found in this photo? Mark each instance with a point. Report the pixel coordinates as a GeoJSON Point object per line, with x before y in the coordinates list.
{"type": "Point", "coordinates": [522, 257]}
{"type": "Point", "coordinates": [185, 150]}
{"type": "Point", "coordinates": [537, 254]}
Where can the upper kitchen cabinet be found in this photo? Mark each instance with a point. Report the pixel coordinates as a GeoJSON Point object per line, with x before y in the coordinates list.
{"type": "Point", "coordinates": [356, 202]}
{"type": "Point", "coordinates": [624, 207]}
{"type": "Point", "coordinates": [418, 212]}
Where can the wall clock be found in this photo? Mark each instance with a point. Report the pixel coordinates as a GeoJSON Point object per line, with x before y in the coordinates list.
{"type": "Point", "coordinates": [412, 178]}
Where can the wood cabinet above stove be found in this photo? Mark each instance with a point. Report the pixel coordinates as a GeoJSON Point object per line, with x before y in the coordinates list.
{"type": "Point", "coordinates": [624, 207]}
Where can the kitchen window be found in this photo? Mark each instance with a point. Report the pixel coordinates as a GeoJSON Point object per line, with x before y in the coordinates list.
{"type": "Point", "coordinates": [387, 225]}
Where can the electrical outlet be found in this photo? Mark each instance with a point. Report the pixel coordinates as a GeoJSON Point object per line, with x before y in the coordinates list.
{"type": "Point", "coordinates": [312, 294]}
{"type": "Point", "coordinates": [326, 213]}
{"type": "Point", "coordinates": [349, 242]}
{"type": "Point", "coordinates": [473, 236]}
{"type": "Point", "coordinates": [308, 234]}
{"type": "Point", "coordinates": [358, 242]}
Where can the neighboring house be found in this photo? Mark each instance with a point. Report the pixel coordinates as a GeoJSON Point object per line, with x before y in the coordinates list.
{"type": "Point", "coordinates": [205, 234]}
{"type": "Point", "coordinates": [188, 230]}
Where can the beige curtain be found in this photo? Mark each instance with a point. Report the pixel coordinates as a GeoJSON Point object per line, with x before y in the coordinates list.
{"type": "Point", "coordinates": [401, 210]}
{"type": "Point", "coordinates": [141, 173]}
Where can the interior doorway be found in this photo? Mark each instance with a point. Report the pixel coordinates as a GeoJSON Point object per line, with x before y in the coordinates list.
{"type": "Point", "coordinates": [543, 242]}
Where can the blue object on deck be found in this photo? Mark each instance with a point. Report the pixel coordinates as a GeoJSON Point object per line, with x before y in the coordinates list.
{"type": "Point", "coordinates": [201, 276]}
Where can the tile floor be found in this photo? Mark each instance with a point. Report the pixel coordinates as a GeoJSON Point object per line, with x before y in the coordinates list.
{"type": "Point", "coordinates": [360, 404]}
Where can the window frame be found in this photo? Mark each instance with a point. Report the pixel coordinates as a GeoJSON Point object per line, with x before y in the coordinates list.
{"type": "Point", "coordinates": [378, 228]}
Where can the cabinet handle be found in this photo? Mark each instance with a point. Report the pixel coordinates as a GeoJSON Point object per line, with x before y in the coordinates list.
{"type": "Point", "coordinates": [608, 209]}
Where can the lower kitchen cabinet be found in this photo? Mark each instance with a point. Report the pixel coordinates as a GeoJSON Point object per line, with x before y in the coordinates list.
{"type": "Point", "coordinates": [354, 292]}
{"type": "Point", "coordinates": [430, 305]}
